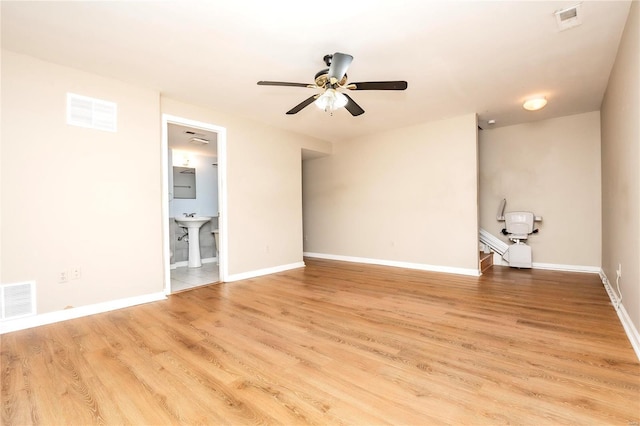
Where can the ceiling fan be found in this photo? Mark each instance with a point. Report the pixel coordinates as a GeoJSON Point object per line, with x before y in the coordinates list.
{"type": "Point", "coordinates": [331, 81]}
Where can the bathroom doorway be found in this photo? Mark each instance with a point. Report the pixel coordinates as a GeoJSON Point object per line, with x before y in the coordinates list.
{"type": "Point", "coordinates": [194, 194]}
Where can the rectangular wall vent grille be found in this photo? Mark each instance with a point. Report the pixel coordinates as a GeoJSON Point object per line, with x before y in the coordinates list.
{"type": "Point", "coordinates": [91, 113]}
{"type": "Point", "coordinates": [17, 300]}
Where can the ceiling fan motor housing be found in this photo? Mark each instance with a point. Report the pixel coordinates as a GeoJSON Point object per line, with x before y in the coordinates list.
{"type": "Point", "coordinates": [322, 78]}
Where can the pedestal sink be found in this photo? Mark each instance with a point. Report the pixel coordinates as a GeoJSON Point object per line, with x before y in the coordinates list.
{"type": "Point", "coordinates": [193, 225]}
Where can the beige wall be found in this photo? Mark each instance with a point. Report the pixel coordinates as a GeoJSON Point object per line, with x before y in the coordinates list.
{"type": "Point", "coordinates": [408, 195]}
{"type": "Point", "coordinates": [552, 168]}
{"type": "Point", "coordinates": [620, 168]}
{"type": "Point", "coordinates": [264, 186]}
{"type": "Point", "coordinates": [75, 197]}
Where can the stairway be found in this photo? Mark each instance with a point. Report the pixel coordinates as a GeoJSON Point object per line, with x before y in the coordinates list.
{"type": "Point", "coordinates": [495, 244]}
{"type": "Point", "coordinates": [486, 261]}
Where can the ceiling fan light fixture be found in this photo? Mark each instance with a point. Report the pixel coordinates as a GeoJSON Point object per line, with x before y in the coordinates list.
{"type": "Point", "coordinates": [330, 79]}
{"type": "Point", "coordinates": [331, 100]}
{"type": "Point", "coordinates": [534, 104]}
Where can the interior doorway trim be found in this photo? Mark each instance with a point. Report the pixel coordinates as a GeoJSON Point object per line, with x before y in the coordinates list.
{"type": "Point", "coordinates": [222, 193]}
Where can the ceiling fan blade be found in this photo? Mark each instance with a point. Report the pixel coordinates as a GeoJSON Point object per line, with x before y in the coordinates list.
{"type": "Point", "coordinates": [353, 107]}
{"type": "Point", "coordinates": [283, 83]}
{"type": "Point", "coordinates": [338, 68]}
{"type": "Point", "coordinates": [379, 85]}
{"type": "Point", "coordinates": [302, 104]}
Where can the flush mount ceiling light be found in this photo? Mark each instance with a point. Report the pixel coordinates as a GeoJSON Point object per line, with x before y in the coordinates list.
{"type": "Point", "coordinates": [331, 100]}
{"type": "Point", "coordinates": [198, 141]}
{"type": "Point", "coordinates": [534, 104]}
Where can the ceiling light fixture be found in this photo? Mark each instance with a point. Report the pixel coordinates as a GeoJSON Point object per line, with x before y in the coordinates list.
{"type": "Point", "coordinates": [198, 141]}
{"type": "Point", "coordinates": [331, 100]}
{"type": "Point", "coordinates": [534, 104]}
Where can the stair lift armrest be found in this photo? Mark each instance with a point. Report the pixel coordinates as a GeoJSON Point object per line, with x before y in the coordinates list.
{"type": "Point", "coordinates": [500, 214]}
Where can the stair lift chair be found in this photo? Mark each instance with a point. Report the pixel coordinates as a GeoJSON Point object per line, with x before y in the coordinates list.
{"type": "Point", "coordinates": [518, 227]}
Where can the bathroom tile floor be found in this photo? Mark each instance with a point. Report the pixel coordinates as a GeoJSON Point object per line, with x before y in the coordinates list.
{"type": "Point", "coordinates": [183, 277]}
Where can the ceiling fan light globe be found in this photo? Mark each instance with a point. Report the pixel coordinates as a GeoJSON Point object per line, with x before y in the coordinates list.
{"type": "Point", "coordinates": [340, 101]}
{"type": "Point", "coordinates": [321, 102]}
{"type": "Point", "coordinates": [331, 100]}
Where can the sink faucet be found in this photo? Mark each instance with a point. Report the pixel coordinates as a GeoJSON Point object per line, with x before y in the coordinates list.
{"type": "Point", "coordinates": [190, 214]}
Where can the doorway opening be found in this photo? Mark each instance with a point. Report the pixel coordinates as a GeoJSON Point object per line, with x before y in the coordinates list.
{"type": "Point", "coordinates": [194, 187]}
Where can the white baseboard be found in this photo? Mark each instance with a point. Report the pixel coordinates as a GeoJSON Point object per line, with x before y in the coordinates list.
{"type": "Point", "coordinates": [397, 264]}
{"type": "Point", "coordinates": [630, 329]}
{"type": "Point", "coordinates": [261, 272]}
{"type": "Point", "coordinates": [567, 268]}
{"type": "Point", "coordinates": [499, 261]}
{"type": "Point", "coordinates": [186, 262]}
{"type": "Point", "coordinates": [82, 311]}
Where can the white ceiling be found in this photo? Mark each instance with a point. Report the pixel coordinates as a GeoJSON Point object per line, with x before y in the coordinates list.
{"type": "Point", "coordinates": [458, 57]}
{"type": "Point", "coordinates": [178, 138]}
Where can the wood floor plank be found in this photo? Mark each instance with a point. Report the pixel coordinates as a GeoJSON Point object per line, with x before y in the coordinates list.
{"type": "Point", "coordinates": [124, 386]}
{"type": "Point", "coordinates": [336, 343]}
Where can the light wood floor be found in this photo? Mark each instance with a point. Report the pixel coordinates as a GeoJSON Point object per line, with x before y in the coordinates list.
{"type": "Point", "coordinates": [337, 343]}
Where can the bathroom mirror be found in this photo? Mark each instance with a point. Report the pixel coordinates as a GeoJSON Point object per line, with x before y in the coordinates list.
{"type": "Point", "coordinates": [184, 182]}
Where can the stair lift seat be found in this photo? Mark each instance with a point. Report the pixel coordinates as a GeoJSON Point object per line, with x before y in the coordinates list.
{"type": "Point", "coordinates": [518, 227]}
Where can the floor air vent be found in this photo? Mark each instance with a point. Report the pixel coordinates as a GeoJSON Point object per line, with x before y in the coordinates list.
{"type": "Point", "coordinates": [17, 300]}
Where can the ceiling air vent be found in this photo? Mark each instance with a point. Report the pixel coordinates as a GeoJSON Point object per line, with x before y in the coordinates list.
{"type": "Point", "coordinates": [569, 17]}
{"type": "Point", "coordinates": [91, 113]}
{"type": "Point", "coordinates": [17, 300]}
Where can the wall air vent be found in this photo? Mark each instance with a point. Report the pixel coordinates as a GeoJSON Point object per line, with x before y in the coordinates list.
{"type": "Point", "coordinates": [91, 113]}
{"type": "Point", "coordinates": [17, 300]}
{"type": "Point", "coordinates": [569, 17]}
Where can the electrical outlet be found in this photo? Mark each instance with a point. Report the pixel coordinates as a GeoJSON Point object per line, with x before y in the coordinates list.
{"type": "Point", "coordinates": [75, 273]}
{"type": "Point", "coordinates": [619, 270]}
{"type": "Point", "coordinates": [63, 276]}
